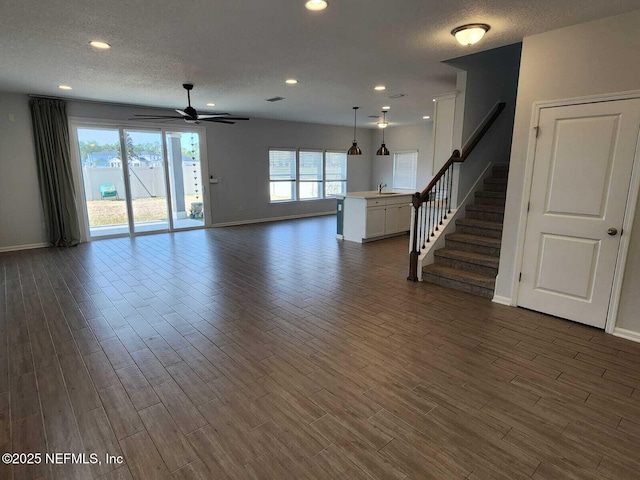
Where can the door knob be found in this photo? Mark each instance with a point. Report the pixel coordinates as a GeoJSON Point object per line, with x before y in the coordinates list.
{"type": "Point", "coordinates": [612, 231]}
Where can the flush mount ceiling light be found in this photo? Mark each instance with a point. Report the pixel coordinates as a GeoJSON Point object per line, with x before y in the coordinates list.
{"type": "Point", "coordinates": [471, 33]}
{"type": "Point", "coordinates": [100, 45]}
{"type": "Point", "coordinates": [426, 117]}
{"type": "Point", "coordinates": [211, 104]}
{"type": "Point", "coordinates": [379, 88]}
{"type": "Point", "coordinates": [383, 150]}
{"type": "Point", "coordinates": [291, 81]}
{"type": "Point", "coordinates": [386, 108]}
{"type": "Point", "coordinates": [355, 149]}
{"type": "Point", "coordinates": [316, 5]}
{"type": "Point", "coordinates": [64, 87]}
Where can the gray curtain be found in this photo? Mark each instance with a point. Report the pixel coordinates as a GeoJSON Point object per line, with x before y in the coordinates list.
{"type": "Point", "coordinates": [51, 138]}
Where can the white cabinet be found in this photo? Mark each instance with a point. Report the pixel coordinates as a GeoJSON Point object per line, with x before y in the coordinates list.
{"type": "Point", "coordinates": [398, 218]}
{"type": "Point", "coordinates": [370, 218]}
{"type": "Point", "coordinates": [376, 221]}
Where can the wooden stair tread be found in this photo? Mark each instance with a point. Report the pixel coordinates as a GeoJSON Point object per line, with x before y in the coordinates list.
{"type": "Point", "coordinates": [501, 181]}
{"type": "Point", "coordinates": [469, 257]}
{"type": "Point", "coordinates": [475, 239]}
{"type": "Point", "coordinates": [460, 275]}
{"type": "Point", "coordinates": [473, 222]}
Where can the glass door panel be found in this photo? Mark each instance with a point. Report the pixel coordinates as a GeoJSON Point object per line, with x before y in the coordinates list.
{"type": "Point", "coordinates": [185, 174]}
{"type": "Point", "coordinates": [147, 180]}
{"type": "Point", "coordinates": [103, 180]}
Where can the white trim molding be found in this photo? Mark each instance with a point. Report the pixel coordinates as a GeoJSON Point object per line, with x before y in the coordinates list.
{"type": "Point", "coordinates": [628, 334]}
{"type": "Point", "coordinates": [503, 301]}
{"type": "Point", "coordinates": [272, 219]}
{"type": "Point", "coordinates": [28, 246]}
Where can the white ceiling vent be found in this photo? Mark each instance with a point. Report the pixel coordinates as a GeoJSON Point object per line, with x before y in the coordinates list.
{"type": "Point", "coordinates": [274, 99]}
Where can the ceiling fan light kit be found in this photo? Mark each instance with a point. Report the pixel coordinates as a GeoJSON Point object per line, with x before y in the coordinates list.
{"type": "Point", "coordinates": [355, 149]}
{"type": "Point", "coordinates": [191, 115]}
{"type": "Point", "coordinates": [471, 33]}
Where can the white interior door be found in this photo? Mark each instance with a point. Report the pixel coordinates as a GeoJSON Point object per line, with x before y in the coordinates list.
{"type": "Point", "coordinates": [581, 177]}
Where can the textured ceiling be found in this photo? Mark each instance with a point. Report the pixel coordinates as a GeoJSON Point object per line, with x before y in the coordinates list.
{"type": "Point", "coordinates": [239, 52]}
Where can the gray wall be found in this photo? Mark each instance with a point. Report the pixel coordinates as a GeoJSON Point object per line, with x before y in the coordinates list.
{"type": "Point", "coordinates": [239, 155]}
{"type": "Point", "coordinates": [411, 137]}
{"type": "Point", "coordinates": [492, 76]}
{"type": "Point", "coordinates": [21, 217]}
{"type": "Point", "coordinates": [592, 58]}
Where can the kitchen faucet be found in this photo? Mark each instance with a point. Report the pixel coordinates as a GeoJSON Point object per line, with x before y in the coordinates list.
{"type": "Point", "coordinates": [380, 187]}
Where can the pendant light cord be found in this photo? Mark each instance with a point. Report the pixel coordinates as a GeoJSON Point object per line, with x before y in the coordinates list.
{"type": "Point", "coordinates": [355, 114]}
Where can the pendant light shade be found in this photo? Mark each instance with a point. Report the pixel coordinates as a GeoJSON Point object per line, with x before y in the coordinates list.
{"type": "Point", "coordinates": [355, 149]}
{"type": "Point", "coordinates": [383, 150]}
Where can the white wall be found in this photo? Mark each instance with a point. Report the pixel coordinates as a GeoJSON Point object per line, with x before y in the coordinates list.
{"type": "Point", "coordinates": [398, 139]}
{"type": "Point", "coordinates": [21, 216]}
{"type": "Point", "coordinates": [587, 59]}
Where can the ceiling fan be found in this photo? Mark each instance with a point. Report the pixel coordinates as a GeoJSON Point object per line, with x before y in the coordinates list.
{"type": "Point", "coordinates": [190, 114]}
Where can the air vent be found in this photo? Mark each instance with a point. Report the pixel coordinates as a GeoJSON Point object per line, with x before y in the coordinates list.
{"type": "Point", "coordinates": [274, 99]}
{"type": "Point", "coordinates": [398, 95]}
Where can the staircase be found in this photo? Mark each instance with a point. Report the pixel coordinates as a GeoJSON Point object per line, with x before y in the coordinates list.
{"type": "Point", "coordinates": [469, 261]}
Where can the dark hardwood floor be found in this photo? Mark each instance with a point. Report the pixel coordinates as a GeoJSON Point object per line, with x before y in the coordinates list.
{"type": "Point", "coordinates": [275, 351]}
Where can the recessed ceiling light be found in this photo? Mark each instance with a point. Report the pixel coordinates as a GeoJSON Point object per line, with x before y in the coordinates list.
{"type": "Point", "coordinates": [426, 117]}
{"type": "Point", "coordinates": [434, 99]}
{"type": "Point", "coordinates": [100, 45]}
{"type": "Point", "coordinates": [316, 5]}
{"type": "Point", "coordinates": [380, 88]}
{"type": "Point", "coordinates": [211, 104]}
{"type": "Point", "coordinates": [64, 87]}
{"type": "Point", "coordinates": [471, 33]}
{"type": "Point", "coordinates": [291, 81]}
{"type": "Point", "coordinates": [386, 107]}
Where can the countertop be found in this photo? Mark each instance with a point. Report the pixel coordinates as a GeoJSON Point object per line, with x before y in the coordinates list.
{"type": "Point", "coordinates": [375, 194]}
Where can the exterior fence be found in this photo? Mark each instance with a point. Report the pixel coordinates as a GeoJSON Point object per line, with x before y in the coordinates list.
{"type": "Point", "coordinates": [145, 181]}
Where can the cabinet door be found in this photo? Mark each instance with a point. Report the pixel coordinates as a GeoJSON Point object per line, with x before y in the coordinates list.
{"type": "Point", "coordinates": [375, 221]}
{"type": "Point", "coordinates": [404, 218]}
{"type": "Point", "coordinates": [391, 219]}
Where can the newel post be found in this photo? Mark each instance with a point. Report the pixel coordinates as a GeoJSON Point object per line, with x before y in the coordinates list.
{"type": "Point", "coordinates": [413, 256]}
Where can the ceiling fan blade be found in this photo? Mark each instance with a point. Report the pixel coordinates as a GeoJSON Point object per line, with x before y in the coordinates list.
{"type": "Point", "coordinates": [155, 116]}
{"type": "Point", "coordinates": [212, 115]}
{"type": "Point", "coordinates": [182, 112]}
{"type": "Point", "coordinates": [234, 118]}
{"type": "Point", "coordinates": [216, 120]}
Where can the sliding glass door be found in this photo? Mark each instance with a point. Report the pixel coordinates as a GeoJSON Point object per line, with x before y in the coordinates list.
{"type": "Point", "coordinates": [147, 180]}
{"type": "Point", "coordinates": [103, 178]}
{"type": "Point", "coordinates": [139, 180]}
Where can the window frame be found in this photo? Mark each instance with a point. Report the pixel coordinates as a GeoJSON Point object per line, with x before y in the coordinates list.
{"type": "Point", "coordinates": [393, 173]}
{"type": "Point", "coordinates": [297, 181]}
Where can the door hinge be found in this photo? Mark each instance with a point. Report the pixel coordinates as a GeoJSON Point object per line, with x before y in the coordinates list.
{"type": "Point", "coordinates": [537, 129]}
{"type": "Point", "coordinates": [520, 277]}
{"type": "Point", "coordinates": [528, 207]}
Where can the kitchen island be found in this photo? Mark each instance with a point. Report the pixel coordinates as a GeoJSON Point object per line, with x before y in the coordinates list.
{"type": "Point", "coordinates": [370, 215]}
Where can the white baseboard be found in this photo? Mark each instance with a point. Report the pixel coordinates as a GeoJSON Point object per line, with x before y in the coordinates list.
{"type": "Point", "coordinates": [628, 334]}
{"type": "Point", "coordinates": [502, 301]}
{"type": "Point", "coordinates": [272, 219]}
{"type": "Point", "coordinates": [29, 246]}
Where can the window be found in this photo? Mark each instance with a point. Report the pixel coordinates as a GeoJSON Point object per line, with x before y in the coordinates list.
{"type": "Point", "coordinates": [310, 174]}
{"type": "Point", "coordinates": [306, 174]}
{"type": "Point", "coordinates": [282, 175]}
{"type": "Point", "coordinates": [336, 173]}
{"type": "Point", "coordinates": [405, 168]}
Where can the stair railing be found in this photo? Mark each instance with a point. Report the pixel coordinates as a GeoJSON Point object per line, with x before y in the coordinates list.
{"type": "Point", "coordinates": [432, 206]}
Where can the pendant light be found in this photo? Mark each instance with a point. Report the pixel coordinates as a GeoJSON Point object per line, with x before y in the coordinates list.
{"type": "Point", "coordinates": [355, 149]}
{"type": "Point", "coordinates": [383, 150]}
